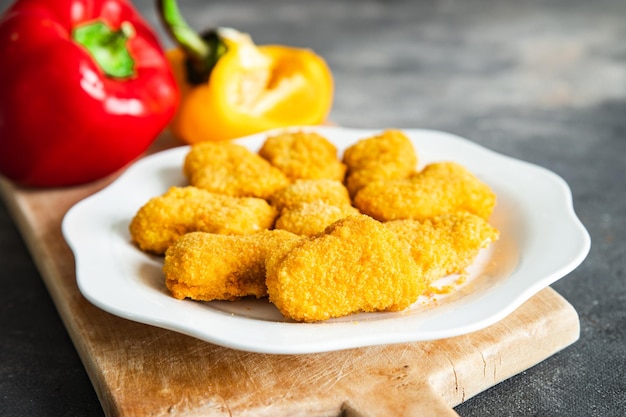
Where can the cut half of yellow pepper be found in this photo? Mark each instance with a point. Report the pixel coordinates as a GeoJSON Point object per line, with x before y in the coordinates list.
{"type": "Point", "coordinates": [249, 89]}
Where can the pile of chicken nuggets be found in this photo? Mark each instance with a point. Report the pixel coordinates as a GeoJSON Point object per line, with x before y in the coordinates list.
{"type": "Point", "coordinates": [322, 236]}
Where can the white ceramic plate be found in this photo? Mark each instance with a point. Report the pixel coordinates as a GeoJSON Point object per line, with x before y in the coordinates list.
{"type": "Point", "coordinates": [541, 241]}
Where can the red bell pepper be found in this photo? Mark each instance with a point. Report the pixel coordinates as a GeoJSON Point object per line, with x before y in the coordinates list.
{"type": "Point", "coordinates": [84, 90]}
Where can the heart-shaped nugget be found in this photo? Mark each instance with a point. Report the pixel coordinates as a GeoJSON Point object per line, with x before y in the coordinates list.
{"type": "Point", "coordinates": [356, 265]}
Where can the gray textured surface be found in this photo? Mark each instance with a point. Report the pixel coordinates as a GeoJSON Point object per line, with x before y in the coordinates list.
{"type": "Point", "coordinates": [540, 81]}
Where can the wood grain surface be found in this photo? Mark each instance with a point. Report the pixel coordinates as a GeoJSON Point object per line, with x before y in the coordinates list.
{"type": "Point", "coordinates": [140, 370]}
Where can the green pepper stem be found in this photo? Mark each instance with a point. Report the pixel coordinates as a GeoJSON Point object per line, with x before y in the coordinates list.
{"type": "Point", "coordinates": [107, 47]}
{"type": "Point", "coordinates": [202, 52]}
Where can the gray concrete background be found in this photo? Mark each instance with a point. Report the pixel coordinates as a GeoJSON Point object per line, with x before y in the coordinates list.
{"type": "Point", "coordinates": [542, 81]}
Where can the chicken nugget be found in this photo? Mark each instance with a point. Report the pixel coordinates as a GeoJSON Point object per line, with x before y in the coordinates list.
{"type": "Point", "coordinates": [303, 155]}
{"type": "Point", "coordinates": [307, 191]}
{"type": "Point", "coordinates": [308, 219]}
{"type": "Point", "coordinates": [387, 156]}
{"type": "Point", "coordinates": [356, 265]}
{"type": "Point", "coordinates": [231, 169]}
{"type": "Point", "coordinates": [205, 266]}
{"type": "Point", "coordinates": [442, 187]}
{"type": "Point", "coordinates": [181, 210]}
{"type": "Point", "coordinates": [444, 244]}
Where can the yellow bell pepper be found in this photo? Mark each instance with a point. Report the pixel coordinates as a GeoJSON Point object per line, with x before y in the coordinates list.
{"type": "Point", "coordinates": [233, 88]}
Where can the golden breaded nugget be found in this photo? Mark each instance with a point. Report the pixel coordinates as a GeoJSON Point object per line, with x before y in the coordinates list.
{"type": "Point", "coordinates": [303, 155]}
{"type": "Point", "coordinates": [442, 187]}
{"type": "Point", "coordinates": [206, 266]}
{"type": "Point", "coordinates": [387, 156]}
{"type": "Point", "coordinates": [444, 244]}
{"type": "Point", "coordinates": [358, 264]}
{"type": "Point", "coordinates": [181, 210]}
{"type": "Point", "coordinates": [231, 169]}
{"type": "Point", "coordinates": [307, 191]}
{"type": "Point", "coordinates": [308, 219]}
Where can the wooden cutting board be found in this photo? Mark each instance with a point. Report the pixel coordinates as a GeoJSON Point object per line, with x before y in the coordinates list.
{"type": "Point", "coordinates": [140, 370]}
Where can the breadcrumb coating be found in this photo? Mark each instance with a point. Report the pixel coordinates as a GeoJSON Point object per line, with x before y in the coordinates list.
{"type": "Point", "coordinates": [444, 244]}
{"type": "Point", "coordinates": [181, 210]}
{"type": "Point", "coordinates": [356, 265]}
{"type": "Point", "coordinates": [231, 169]}
{"type": "Point", "coordinates": [323, 237]}
{"type": "Point", "coordinates": [442, 187]}
{"type": "Point", "coordinates": [306, 207]}
{"type": "Point", "coordinates": [205, 266]}
{"type": "Point", "coordinates": [383, 157]}
{"type": "Point", "coordinates": [307, 191]}
{"type": "Point", "coordinates": [303, 155]}
{"type": "Point", "coordinates": [308, 219]}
